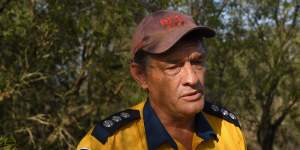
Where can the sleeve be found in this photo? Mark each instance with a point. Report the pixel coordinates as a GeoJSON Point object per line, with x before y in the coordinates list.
{"type": "Point", "coordinates": [85, 143]}
{"type": "Point", "coordinates": [242, 141]}
{"type": "Point", "coordinates": [88, 142]}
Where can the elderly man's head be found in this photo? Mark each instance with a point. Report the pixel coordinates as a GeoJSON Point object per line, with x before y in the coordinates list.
{"type": "Point", "coordinates": [169, 62]}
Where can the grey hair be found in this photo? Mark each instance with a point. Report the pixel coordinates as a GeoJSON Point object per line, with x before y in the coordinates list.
{"type": "Point", "coordinates": [141, 58]}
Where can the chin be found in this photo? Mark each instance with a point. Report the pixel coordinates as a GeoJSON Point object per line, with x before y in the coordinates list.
{"type": "Point", "coordinates": [192, 108]}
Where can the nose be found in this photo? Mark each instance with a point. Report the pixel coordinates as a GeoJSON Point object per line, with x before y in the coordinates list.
{"type": "Point", "coordinates": [189, 75]}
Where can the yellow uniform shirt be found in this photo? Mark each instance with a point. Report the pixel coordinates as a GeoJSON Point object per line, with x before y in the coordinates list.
{"type": "Point", "coordinates": [139, 128]}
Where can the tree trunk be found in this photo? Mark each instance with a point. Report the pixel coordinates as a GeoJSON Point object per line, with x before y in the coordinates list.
{"type": "Point", "coordinates": [266, 137]}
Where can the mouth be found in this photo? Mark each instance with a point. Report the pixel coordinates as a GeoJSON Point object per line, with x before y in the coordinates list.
{"type": "Point", "coordinates": [192, 96]}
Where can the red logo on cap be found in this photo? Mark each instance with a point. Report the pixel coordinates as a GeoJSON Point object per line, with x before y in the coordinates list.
{"type": "Point", "coordinates": [171, 21]}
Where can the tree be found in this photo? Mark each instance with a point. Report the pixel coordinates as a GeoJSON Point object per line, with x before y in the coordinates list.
{"type": "Point", "coordinates": [255, 62]}
{"type": "Point", "coordinates": [64, 66]}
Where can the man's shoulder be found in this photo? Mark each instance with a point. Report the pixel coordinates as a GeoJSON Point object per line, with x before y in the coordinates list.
{"type": "Point", "coordinates": [220, 113]}
{"type": "Point", "coordinates": [115, 122]}
{"type": "Point", "coordinates": [108, 126]}
{"type": "Point", "coordinates": [113, 131]}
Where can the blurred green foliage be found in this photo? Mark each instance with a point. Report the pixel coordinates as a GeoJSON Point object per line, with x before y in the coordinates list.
{"type": "Point", "coordinates": [65, 65]}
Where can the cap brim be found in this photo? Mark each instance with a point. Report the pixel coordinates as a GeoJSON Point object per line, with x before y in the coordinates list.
{"type": "Point", "coordinates": [201, 31]}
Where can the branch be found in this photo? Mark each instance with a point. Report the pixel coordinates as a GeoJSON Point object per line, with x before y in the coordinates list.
{"type": "Point", "coordinates": [295, 15]}
{"type": "Point", "coordinates": [284, 114]}
{"type": "Point", "coordinates": [271, 91]}
{"type": "Point", "coordinates": [196, 8]}
{"type": "Point", "coordinates": [80, 80]}
{"type": "Point", "coordinates": [276, 12]}
{"type": "Point", "coordinates": [222, 8]}
{"type": "Point", "coordinates": [294, 21]}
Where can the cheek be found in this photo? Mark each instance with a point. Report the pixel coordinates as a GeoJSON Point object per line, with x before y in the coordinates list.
{"type": "Point", "coordinates": [201, 76]}
{"type": "Point", "coordinates": [164, 86]}
{"type": "Point", "coordinates": [156, 83]}
{"type": "Point", "coordinates": [168, 85]}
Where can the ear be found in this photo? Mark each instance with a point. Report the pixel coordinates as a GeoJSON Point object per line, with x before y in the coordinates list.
{"type": "Point", "coordinates": [139, 75]}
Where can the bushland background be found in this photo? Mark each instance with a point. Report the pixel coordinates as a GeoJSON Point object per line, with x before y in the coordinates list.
{"type": "Point", "coordinates": [64, 66]}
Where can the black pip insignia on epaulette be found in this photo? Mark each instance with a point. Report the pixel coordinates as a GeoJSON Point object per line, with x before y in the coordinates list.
{"type": "Point", "coordinates": [111, 124]}
{"type": "Point", "coordinates": [221, 112]}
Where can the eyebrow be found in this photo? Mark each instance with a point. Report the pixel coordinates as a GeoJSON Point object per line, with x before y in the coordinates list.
{"type": "Point", "coordinates": [198, 56]}
{"type": "Point", "coordinates": [174, 61]}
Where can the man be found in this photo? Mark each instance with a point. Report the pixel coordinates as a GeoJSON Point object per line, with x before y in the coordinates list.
{"type": "Point", "coordinates": [169, 63]}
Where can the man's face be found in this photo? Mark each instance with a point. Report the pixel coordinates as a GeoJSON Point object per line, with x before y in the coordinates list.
{"type": "Point", "coordinates": [175, 80]}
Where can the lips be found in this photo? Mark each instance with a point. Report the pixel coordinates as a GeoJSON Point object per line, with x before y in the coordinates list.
{"type": "Point", "coordinates": [192, 96]}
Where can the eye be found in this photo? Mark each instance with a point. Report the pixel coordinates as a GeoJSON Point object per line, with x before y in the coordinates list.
{"type": "Point", "coordinates": [198, 62]}
{"type": "Point", "coordinates": [173, 66]}
{"type": "Point", "coordinates": [173, 69]}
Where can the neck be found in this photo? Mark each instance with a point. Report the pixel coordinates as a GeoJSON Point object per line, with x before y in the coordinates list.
{"type": "Point", "coordinates": [179, 127]}
{"type": "Point", "coordinates": [172, 119]}
{"type": "Point", "coordinates": [179, 123]}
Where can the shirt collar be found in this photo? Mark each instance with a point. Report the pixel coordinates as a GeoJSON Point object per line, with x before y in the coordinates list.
{"type": "Point", "coordinates": [203, 128]}
{"type": "Point", "coordinates": [156, 134]}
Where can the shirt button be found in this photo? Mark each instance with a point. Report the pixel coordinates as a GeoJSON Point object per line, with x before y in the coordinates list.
{"type": "Point", "coordinates": [108, 123]}
{"type": "Point", "coordinates": [116, 118]}
{"type": "Point", "coordinates": [124, 115]}
{"type": "Point", "coordinates": [214, 107]}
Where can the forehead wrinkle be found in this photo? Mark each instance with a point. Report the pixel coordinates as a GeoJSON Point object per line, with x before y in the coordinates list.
{"type": "Point", "coordinates": [181, 51]}
{"type": "Point", "coordinates": [184, 53]}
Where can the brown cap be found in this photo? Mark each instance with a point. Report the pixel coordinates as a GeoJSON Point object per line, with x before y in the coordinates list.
{"type": "Point", "coordinates": [159, 31]}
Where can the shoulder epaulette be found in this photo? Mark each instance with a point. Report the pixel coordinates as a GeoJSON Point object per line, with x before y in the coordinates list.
{"type": "Point", "coordinates": [111, 124]}
{"type": "Point", "coordinates": [221, 112]}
